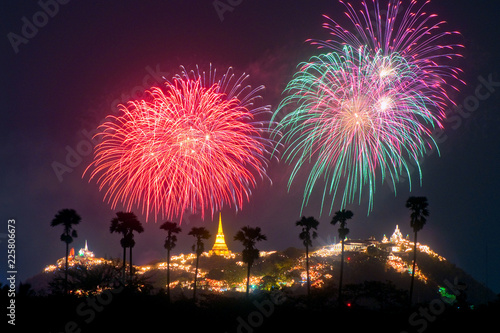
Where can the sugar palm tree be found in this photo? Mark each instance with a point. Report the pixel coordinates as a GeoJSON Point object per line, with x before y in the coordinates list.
{"type": "Point", "coordinates": [170, 241]}
{"type": "Point", "coordinates": [341, 218]}
{"type": "Point", "coordinates": [200, 234]}
{"type": "Point", "coordinates": [118, 226]}
{"type": "Point", "coordinates": [133, 225]}
{"type": "Point", "coordinates": [67, 218]}
{"type": "Point", "coordinates": [248, 237]}
{"type": "Point", "coordinates": [130, 243]}
{"type": "Point", "coordinates": [418, 217]}
{"type": "Point", "coordinates": [307, 224]}
{"type": "Point", "coordinates": [126, 223]}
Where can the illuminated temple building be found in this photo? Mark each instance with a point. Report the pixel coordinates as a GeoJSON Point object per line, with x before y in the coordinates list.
{"type": "Point", "coordinates": [84, 257]}
{"type": "Point", "coordinates": [220, 247]}
{"type": "Point", "coordinates": [85, 253]}
{"type": "Point", "coordinates": [395, 250]}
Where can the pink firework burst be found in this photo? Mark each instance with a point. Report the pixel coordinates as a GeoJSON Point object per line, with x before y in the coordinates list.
{"type": "Point", "coordinates": [411, 32]}
{"type": "Point", "coordinates": [195, 145]}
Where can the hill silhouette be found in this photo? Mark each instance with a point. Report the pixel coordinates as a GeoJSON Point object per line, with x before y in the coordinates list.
{"type": "Point", "coordinates": [376, 280]}
{"type": "Point", "coordinates": [375, 295]}
{"type": "Point", "coordinates": [285, 270]}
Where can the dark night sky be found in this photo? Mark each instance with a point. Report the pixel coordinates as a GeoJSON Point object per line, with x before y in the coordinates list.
{"type": "Point", "coordinates": [92, 54]}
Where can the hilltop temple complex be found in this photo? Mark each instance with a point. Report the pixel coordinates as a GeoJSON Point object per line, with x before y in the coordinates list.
{"type": "Point", "coordinates": [84, 257]}
{"type": "Point", "coordinates": [395, 250]}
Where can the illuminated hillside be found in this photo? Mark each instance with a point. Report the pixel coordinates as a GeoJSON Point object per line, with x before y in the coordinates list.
{"type": "Point", "coordinates": [366, 260]}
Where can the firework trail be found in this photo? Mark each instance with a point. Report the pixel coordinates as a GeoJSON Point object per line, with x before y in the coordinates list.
{"type": "Point", "coordinates": [195, 145]}
{"type": "Point", "coordinates": [412, 33]}
{"type": "Point", "coordinates": [355, 114]}
{"type": "Point", "coordinates": [366, 108]}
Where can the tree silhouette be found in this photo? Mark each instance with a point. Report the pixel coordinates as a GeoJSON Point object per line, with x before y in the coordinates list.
{"type": "Point", "coordinates": [67, 218]}
{"type": "Point", "coordinates": [135, 225]}
{"type": "Point", "coordinates": [126, 223]}
{"type": "Point", "coordinates": [419, 212]}
{"type": "Point", "coordinates": [307, 224]}
{"type": "Point", "coordinates": [130, 243]}
{"type": "Point", "coordinates": [25, 290]}
{"type": "Point", "coordinates": [200, 234]}
{"type": "Point", "coordinates": [171, 228]}
{"type": "Point", "coordinates": [341, 217]}
{"type": "Point", "coordinates": [248, 237]}
{"type": "Point", "coordinates": [88, 279]}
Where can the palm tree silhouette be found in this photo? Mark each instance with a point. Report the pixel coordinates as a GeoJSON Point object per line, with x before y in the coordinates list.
{"type": "Point", "coordinates": [170, 241]}
{"type": "Point", "coordinates": [118, 226]}
{"type": "Point", "coordinates": [419, 212]}
{"type": "Point", "coordinates": [200, 234]}
{"type": "Point", "coordinates": [341, 217]}
{"type": "Point", "coordinates": [130, 243]}
{"type": "Point", "coordinates": [126, 223]}
{"type": "Point", "coordinates": [135, 225]}
{"type": "Point", "coordinates": [67, 218]}
{"type": "Point", "coordinates": [306, 236]}
{"type": "Point", "coordinates": [248, 237]}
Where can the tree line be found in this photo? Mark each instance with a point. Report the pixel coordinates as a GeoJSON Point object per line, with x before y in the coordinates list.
{"type": "Point", "coordinates": [127, 223]}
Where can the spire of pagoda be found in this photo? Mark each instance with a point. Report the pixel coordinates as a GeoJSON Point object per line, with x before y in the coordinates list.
{"type": "Point", "coordinates": [219, 231]}
{"type": "Point", "coordinates": [220, 247]}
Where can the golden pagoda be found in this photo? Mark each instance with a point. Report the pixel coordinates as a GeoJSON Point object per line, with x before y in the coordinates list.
{"type": "Point", "coordinates": [220, 247]}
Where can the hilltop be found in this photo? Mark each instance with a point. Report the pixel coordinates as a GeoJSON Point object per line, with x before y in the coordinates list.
{"type": "Point", "coordinates": [376, 282]}
{"type": "Point", "coordinates": [385, 262]}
